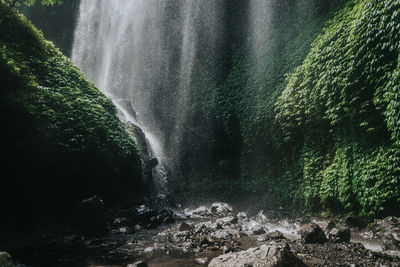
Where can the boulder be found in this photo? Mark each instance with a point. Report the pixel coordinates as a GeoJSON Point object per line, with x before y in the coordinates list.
{"type": "Point", "coordinates": [272, 255]}
{"type": "Point", "coordinates": [242, 216]}
{"type": "Point", "coordinates": [260, 217]}
{"type": "Point", "coordinates": [355, 222]}
{"type": "Point", "coordinates": [276, 235]}
{"type": "Point", "coordinates": [259, 230]}
{"type": "Point", "coordinates": [312, 234]}
{"type": "Point", "coordinates": [185, 227]}
{"type": "Point", "coordinates": [340, 235]}
{"type": "Point", "coordinates": [89, 218]}
{"type": "Point", "coordinates": [201, 212]}
{"type": "Point", "coordinates": [330, 226]}
{"type": "Point", "coordinates": [227, 220]}
{"type": "Point", "coordinates": [221, 209]}
{"type": "Point", "coordinates": [6, 260]}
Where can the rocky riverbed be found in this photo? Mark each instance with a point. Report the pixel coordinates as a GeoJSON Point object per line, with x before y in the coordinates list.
{"type": "Point", "coordinates": [214, 236]}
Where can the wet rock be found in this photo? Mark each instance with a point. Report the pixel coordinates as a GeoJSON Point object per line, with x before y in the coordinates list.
{"type": "Point", "coordinates": [259, 230]}
{"type": "Point", "coordinates": [6, 260]}
{"type": "Point", "coordinates": [120, 222]}
{"type": "Point", "coordinates": [166, 216]}
{"type": "Point", "coordinates": [228, 249]}
{"type": "Point", "coordinates": [221, 209]}
{"type": "Point", "coordinates": [138, 264]}
{"type": "Point", "coordinates": [205, 228]}
{"type": "Point", "coordinates": [89, 217]}
{"type": "Point", "coordinates": [251, 225]}
{"type": "Point", "coordinates": [242, 216]}
{"type": "Point", "coordinates": [340, 235]}
{"type": "Point", "coordinates": [388, 228]}
{"type": "Point", "coordinates": [201, 212]}
{"type": "Point", "coordinates": [126, 230]}
{"type": "Point", "coordinates": [185, 227]}
{"type": "Point", "coordinates": [206, 242]}
{"type": "Point", "coordinates": [312, 233]}
{"type": "Point", "coordinates": [152, 163]}
{"type": "Point", "coordinates": [149, 250]}
{"type": "Point", "coordinates": [201, 260]}
{"type": "Point", "coordinates": [276, 235]}
{"type": "Point", "coordinates": [225, 234]}
{"type": "Point", "coordinates": [225, 221]}
{"type": "Point", "coordinates": [391, 245]}
{"type": "Point", "coordinates": [355, 222]}
{"type": "Point", "coordinates": [262, 238]}
{"type": "Point", "coordinates": [182, 236]}
{"type": "Point", "coordinates": [260, 217]}
{"type": "Point", "coordinates": [266, 255]}
{"type": "Point", "coordinates": [330, 226]}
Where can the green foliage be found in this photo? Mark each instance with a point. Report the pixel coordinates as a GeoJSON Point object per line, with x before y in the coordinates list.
{"type": "Point", "coordinates": [314, 119]}
{"type": "Point", "coordinates": [341, 97]}
{"type": "Point", "coordinates": [13, 3]}
{"type": "Point", "coordinates": [60, 131]}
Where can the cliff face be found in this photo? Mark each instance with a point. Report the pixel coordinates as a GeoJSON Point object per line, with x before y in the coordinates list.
{"type": "Point", "coordinates": [62, 140]}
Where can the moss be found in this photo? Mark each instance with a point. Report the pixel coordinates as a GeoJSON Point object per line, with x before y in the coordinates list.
{"type": "Point", "coordinates": [347, 89]}
{"type": "Point", "coordinates": [63, 141]}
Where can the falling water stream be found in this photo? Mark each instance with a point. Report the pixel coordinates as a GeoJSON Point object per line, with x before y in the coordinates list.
{"type": "Point", "coordinates": [144, 54]}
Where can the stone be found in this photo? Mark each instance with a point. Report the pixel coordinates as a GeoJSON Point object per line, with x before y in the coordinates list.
{"type": "Point", "coordinates": [330, 226]}
{"type": "Point", "coordinates": [312, 234]}
{"type": "Point", "coordinates": [221, 209]}
{"type": "Point", "coordinates": [260, 217]}
{"type": "Point", "coordinates": [227, 220]}
{"type": "Point", "coordinates": [263, 256]}
{"type": "Point", "coordinates": [340, 235]}
{"type": "Point", "coordinates": [201, 212]}
{"type": "Point", "coordinates": [126, 230]}
{"type": "Point", "coordinates": [185, 227]}
{"type": "Point", "coordinates": [89, 217]}
{"type": "Point", "coordinates": [242, 216]}
{"type": "Point", "coordinates": [262, 238]}
{"type": "Point", "coordinates": [6, 260]}
{"type": "Point", "coordinates": [355, 222]}
{"type": "Point", "coordinates": [226, 234]}
{"type": "Point", "coordinates": [259, 230]}
{"type": "Point", "coordinates": [149, 250]}
{"type": "Point", "coordinates": [138, 264]}
{"type": "Point", "coordinates": [391, 245]}
{"type": "Point", "coordinates": [276, 235]}
{"type": "Point", "coordinates": [228, 249]}
{"type": "Point", "coordinates": [201, 260]}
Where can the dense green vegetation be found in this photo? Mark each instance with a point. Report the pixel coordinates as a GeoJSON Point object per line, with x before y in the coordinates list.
{"type": "Point", "coordinates": [342, 105]}
{"type": "Point", "coordinates": [14, 3]}
{"type": "Point", "coordinates": [61, 140]}
{"type": "Point", "coordinates": [240, 111]}
{"type": "Point", "coordinates": [326, 136]}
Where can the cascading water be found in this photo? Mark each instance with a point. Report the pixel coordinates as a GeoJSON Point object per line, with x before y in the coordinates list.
{"type": "Point", "coordinates": [146, 56]}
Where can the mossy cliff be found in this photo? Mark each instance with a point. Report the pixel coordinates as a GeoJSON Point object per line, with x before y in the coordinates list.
{"type": "Point", "coordinates": [61, 139]}
{"type": "Point", "coordinates": [313, 125]}
{"type": "Point", "coordinates": [340, 113]}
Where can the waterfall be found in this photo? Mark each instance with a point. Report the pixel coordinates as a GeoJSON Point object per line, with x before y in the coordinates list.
{"type": "Point", "coordinates": [146, 55]}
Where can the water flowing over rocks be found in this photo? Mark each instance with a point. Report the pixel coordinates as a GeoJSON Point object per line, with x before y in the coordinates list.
{"type": "Point", "coordinates": [218, 236]}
